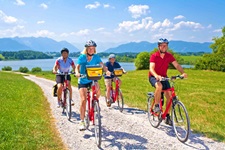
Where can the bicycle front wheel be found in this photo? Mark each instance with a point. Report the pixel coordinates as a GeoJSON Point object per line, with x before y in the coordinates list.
{"type": "Point", "coordinates": [68, 104]}
{"type": "Point", "coordinates": [153, 118]}
{"type": "Point", "coordinates": [181, 122]}
{"type": "Point", "coordinates": [120, 101]}
{"type": "Point", "coordinates": [97, 124]}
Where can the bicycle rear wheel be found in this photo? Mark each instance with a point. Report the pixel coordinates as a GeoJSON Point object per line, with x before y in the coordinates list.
{"type": "Point", "coordinates": [181, 122]}
{"type": "Point", "coordinates": [120, 101]}
{"type": "Point", "coordinates": [97, 124]}
{"type": "Point", "coordinates": [68, 104]}
{"type": "Point", "coordinates": [153, 118]}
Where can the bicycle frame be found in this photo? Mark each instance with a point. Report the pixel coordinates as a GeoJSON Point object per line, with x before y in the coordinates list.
{"type": "Point", "coordinates": [115, 92]}
{"type": "Point", "coordinates": [91, 101]}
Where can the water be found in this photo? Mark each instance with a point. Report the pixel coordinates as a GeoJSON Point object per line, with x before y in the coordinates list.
{"type": "Point", "coordinates": [47, 64]}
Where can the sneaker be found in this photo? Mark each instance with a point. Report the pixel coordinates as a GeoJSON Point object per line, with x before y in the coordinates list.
{"type": "Point", "coordinates": [82, 126]}
{"type": "Point", "coordinates": [72, 102]}
{"type": "Point", "coordinates": [58, 104]}
{"type": "Point", "coordinates": [108, 103]}
{"type": "Point", "coordinates": [157, 109]}
{"type": "Point", "coordinates": [168, 120]}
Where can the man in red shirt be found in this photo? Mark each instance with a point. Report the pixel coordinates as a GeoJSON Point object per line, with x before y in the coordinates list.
{"type": "Point", "coordinates": [159, 62]}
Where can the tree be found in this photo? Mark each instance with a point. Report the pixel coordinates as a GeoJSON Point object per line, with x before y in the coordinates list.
{"type": "Point", "coordinates": [142, 61]}
{"type": "Point", "coordinates": [36, 69]}
{"type": "Point", "coordinates": [216, 60]}
{"type": "Point", "coordinates": [7, 68]}
{"type": "Point", "coordinates": [23, 69]}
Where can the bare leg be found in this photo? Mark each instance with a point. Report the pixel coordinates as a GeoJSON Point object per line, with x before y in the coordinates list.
{"type": "Point", "coordinates": [83, 97]}
{"type": "Point", "coordinates": [158, 90]}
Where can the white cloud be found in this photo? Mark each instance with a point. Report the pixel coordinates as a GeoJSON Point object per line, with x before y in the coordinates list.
{"type": "Point", "coordinates": [43, 33]}
{"type": "Point", "coordinates": [106, 5]}
{"type": "Point", "coordinates": [156, 25]}
{"type": "Point", "coordinates": [83, 32]}
{"type": "Point", "coordinates": [44, 6]}
{"type": "Point", "coordinates": [41, 22]}
{"type": "Point", "coordinates": [93, 6]}
{"type": "Point", "coordinates": [135, 25]}
{"type": "Point", "coordinates": [217, 30]}
{"type": "Point", "coordinates": [166, 23]}
{"type": "Point", "coordinates": [209, 26]}
{"type": "Point", "coordinates": [7, 19]}
{"type": "Point", "coordinates": [188, 24]}
{"type": "Point", "coordinates": [179, 17]}
{"type": "Point", "coordinates": [19, 3]}
{"type": "Point", "coordinates": [15, 31]}
{"type": "Point", "coordinates": [138, 10]}
{"type": "Point", "coordinates": [99, 29]}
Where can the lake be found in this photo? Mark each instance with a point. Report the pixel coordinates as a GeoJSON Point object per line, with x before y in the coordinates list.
{"type": "Point", "coordinates": [47, 64]}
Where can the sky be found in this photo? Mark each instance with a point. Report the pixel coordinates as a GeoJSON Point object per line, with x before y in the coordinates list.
{"type": "Point", "coordinates": [113, 21]}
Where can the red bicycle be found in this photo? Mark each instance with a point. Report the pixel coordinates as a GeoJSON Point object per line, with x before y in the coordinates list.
{"type": "Point", "coordinates": [180, 119]}
{"type": "Point", "coordinates": [66, 101]}
{"type": "Point", "coordinates": [116, 94]}
{"type": "Point", "coordinates": [92, 113]}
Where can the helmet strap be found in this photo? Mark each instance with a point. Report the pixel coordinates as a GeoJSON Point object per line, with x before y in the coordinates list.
{"type": "Point", "coordinates": [90, 54]}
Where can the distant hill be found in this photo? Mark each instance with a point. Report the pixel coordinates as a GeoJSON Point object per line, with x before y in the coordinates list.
{"type": "Point", "coordinates": [42, 44]}
{"type": "Point", "coordinates": [177, 46]}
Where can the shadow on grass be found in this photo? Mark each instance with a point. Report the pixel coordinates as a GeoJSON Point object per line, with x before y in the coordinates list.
{"type": "Point", "coordinates": [119, 140]}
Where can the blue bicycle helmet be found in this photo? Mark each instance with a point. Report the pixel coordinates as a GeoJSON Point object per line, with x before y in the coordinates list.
{"type": "Point", "coordinates": [90, 43]}
{"type": "Point", "coordinates": [161, 40]}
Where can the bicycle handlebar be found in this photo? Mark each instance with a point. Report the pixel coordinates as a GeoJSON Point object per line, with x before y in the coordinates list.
{"type": "Point", "coordinates": [64, 73]}
{"type": "Point", "coordinates": [172, 78]}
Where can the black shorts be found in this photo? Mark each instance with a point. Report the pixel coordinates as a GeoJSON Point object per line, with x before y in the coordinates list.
{"type": "Point", "coordinates": [61, 78]}
{"type": "Point", "coordinates": [88, 85]}
{"type": "Point", "coordinates": [165, 84]}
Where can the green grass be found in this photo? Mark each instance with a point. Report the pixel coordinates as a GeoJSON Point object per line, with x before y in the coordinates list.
{"type": "Point", "coordinates": [191, 59]}
{"type": "Point", "coordinates": [202, 93]}
{"type": "Point", "coordinates": [26, 121]}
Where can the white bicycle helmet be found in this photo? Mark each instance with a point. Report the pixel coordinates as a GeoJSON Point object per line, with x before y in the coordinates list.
{"type": "Point", "coordinates": [90, 43]}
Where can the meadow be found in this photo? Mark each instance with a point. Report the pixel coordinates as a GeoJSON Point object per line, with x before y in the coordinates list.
{"type": "Point", "coordinates": [26, 121]}
{"type": "Point", "coordinates": [202, 93]}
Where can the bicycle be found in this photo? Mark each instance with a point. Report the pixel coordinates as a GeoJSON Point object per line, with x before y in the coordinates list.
{"type": "Point", "coordinates": [92, 113]}
{"type": "Point", "coordinates": [180, 118]}
{"type": "Point", "coordinates": [116, 94]}
{"type": "Point", "coordinates": [66, 100]}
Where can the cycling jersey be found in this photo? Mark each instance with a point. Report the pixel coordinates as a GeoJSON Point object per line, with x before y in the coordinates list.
{"type": "Point", "coordinates": [82, 61]}
{"type": "Point", "coordinates": [64, 66]}
{"type": "Point", "coordinates": [161, 64]}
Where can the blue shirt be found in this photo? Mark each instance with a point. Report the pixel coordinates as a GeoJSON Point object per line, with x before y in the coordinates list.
{"type": "Point", "coordinates": [111, 68]}
{"type": "Point", "coordinates": [64, 66]}
{"type": "Point", "coordinates": [82, 61]}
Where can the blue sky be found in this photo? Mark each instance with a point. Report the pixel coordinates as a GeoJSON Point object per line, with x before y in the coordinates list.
{"type": "Point", "coordinates": [113, 21]}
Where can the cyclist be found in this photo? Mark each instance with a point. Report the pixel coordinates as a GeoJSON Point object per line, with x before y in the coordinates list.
{"type": "Point", "coordinates": [62, 64]}
{"type": "Point", "coordinates": [110, 66]}
{"type": "Point", "coordinates": [88, 57]}
{"type": "Point", "coordinates": [159, 62]}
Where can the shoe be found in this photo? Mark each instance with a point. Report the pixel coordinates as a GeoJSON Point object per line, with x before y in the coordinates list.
{"type": "Point", "coordinates": [72, 102]}
{"type": "Point", "coordinates": [157, 109]}
{"type": "Point", "coordinates": [108, 103]}
{"type": "Point", "coordinates": [82, 126]}
{"type": "Point", "coordinates": [58, 104]}
{"type": "Point", "coordinates": [168, 120]}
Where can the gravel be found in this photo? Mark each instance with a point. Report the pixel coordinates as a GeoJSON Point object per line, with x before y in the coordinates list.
{"type": "Point", "coordinates": [127, 130]}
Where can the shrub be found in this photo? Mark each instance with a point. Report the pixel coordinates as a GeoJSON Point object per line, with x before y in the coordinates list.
{"type": "Point", "coordinates": [36, 69]}
{"type": "Point", "coordinates": [23, 69]}
{"type": "Point", "coordinates": [142, 61]}
{"type": "Point", "coordinates": [7, 68]}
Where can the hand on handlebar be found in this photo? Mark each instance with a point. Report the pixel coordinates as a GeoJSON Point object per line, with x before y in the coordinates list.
{"type": "Point", "coordinates": [184, 75]}
{"type": "Point", "coordinates": [77, 75]}
{"type": "Point", "coordinates": [158, 77]}
{"type": "Point", "coordinates": [108, 73]}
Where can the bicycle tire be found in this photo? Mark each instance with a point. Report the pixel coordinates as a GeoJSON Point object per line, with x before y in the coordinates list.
{"type": "Point", "coordinates": [180, 124]}
{"type": "Point", "coordinates": [153, 118]}
{"type": "Point", "coordinates": [86, 118]}
{"type": "Point", "coordinates": [68, 104]}
{"type": "Point", "coordinates": [97, 124]}
{"type": "Point", "coordinates": [120, 100]}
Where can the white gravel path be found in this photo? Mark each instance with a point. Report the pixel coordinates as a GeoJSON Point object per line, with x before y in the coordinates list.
{"type": "Point", "coordinates": [127, 130]}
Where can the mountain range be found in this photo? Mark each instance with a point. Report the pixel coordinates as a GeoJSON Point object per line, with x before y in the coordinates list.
{"type": "Point", "coordinates": [177, 46]}
{"type": "Point", "coordinates": [44, 44]}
